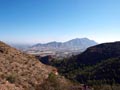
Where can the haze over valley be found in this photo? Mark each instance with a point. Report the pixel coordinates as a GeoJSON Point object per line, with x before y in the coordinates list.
{"type": "Point", "coordinates": [58, 49]}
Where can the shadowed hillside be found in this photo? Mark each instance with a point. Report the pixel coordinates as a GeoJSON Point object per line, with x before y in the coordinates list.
{"type": "Point", "coordinates": [99, 52]}
{"type": "Point", "coordinates": [99, 64]}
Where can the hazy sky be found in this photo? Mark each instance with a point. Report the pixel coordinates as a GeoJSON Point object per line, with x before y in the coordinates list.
{"type": "Point", "coordinates": [32, 21]}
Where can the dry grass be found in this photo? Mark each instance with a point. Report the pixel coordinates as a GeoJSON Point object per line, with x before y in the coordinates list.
{"type": "Point", "coordinates": [20, 70]}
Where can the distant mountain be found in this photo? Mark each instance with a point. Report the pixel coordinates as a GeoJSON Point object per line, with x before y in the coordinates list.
{"type": "Point", "coordinates": [50, 45]}
{"type": "Point", "coordinates": [82, 43]}
{"type": "Point", "coordinates": [75, 44]}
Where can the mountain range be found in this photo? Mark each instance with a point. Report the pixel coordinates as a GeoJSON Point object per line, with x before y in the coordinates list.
{"type": "Point", "coordinates": [61, 49]}
{"type": "Point", "coordinates": [74, 44]}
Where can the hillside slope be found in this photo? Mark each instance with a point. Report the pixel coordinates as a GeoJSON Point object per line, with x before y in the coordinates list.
{"type": "Point", "coordinates": [20, 70]}
{"type": "Point", "coordinates": [106, 72]}
{"type": "Point", "coordinates": [100, 62]}
{"type": "Point", "coordinates": [99, 52]}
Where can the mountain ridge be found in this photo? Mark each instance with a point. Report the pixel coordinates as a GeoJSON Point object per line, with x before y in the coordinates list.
{"type": "Point", "coordinates": [74, 44]}
{"type": "Point", "coordinates": [96, 53]}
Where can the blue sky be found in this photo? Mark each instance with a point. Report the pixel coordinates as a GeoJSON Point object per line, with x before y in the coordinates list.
{"type": "Point", "coordinates": [33, 21]}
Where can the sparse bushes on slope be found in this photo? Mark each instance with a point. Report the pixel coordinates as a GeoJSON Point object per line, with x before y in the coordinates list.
{"type": "Point", "coordinates": [20, 69]}
{"type": "Point", "coordinates": [53, 83]}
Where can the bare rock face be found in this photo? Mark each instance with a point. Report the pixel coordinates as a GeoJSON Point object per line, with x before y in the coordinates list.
{"type": "Point", "coordinates": [20, 70]}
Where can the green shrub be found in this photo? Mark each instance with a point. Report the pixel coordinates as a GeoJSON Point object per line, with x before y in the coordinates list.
{"type": "Point", "coordinates": [11, 78]}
